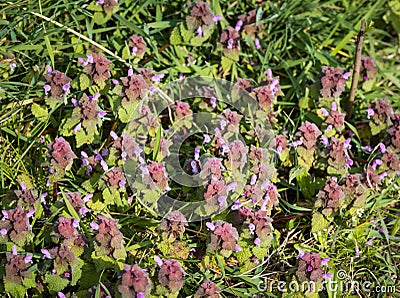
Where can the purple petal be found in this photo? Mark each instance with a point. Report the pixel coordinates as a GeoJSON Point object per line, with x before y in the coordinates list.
{"type": "Point", "coordinates": [301, 253]}
{"type": "Point", "coordinates": [28, 259]}
{"type": "Point", "coordinates": [46, 253]}
{"type": "Point", "coordinates": [77, 128]}
{"type": "Point", "coordinates": [369, 242]}
{"type": "Point", "coordinates": [115, 82]}
{"type": "Point", "coordinates": [324, 261]}
{"type": "Point", "coordinates": [238, 25]}
{"type": "Point", "coordinates": [199, 32]}
{"type": "Point", "coordinates": [23, 186]}
{"type": "Point", "coordinates": [30, 213]}
{"type": "Point", "coordinates": [101, 114]}
{"type": "Point", "coordinates": [370, 113]}
{"type": "Point", "coordinates": [269, 73]}
{"type": "Point", "coordinates": [253, 179]}
{"type": "Point", "coordinates": [139, 295]}
{"type": "Point", "coordinates": [74, 102]}
{"type": "Point", "coordinates": [75, 223]}
{"type": "Point", "coordinates": [104, 165]}
{"type": "Point", "coordinates": [134, 51]}
{"type": "Point", "coordinates": [207, 139]}
{"type": "Point", "coordinates": [334, 106]}
{"type": "Point", "coordinates": [238, 248]}
{"type": "Point", "coordinates": [94, 226]}
{"type": "Point", "coordinates": [158, 260]}
{"type": "Point", "coordinates": [3, 232]}
{"type": "Point", "coordinates": [66, 88]}
{"type": "Point", "coordinates": [130, 72]}
{"type": "Point", "coordinates": [49, 69]}
{"type": "Point", "coordinates": [366, 148]}
{"type": "Point", "coordinates": [230, 44]}
{"type": "Point", "coordinates": [46, 88]}
{"type": "Point", "coordinates": [14, 250]}
{"type": "Point", "coordinates": [382, 147]}
{"type": "Point", "coordinates": [346, 75]}
{"type": "Point", "coordinates": [257, 43]}
{"type": "Point", "coordinates": [61, 294]}
{"type": "Point", "coordinates": [324, 112]}
{"type": "Point", "coordinates": [217, 18]}
{"type": "Point", "coordinates": [87, 197]}
{"type": "Point", "coordinates": [327, 275]}
{"type": "Point", "coordinates": [5, 214]}
{"type": "Point", "coordinates": [90, 58]}
{"type": "Point", "coordinates": [210, 226]}
{"type": "Point", "coordinates": [257, 242]}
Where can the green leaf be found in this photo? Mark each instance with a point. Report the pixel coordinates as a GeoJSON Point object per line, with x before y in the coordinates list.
{"type": "Point", "coordinates": [39, 112]}
{"type": "Point", "coordinates": [84, 81]}
{"type": "Point", "coordinates": [55, 283]}
{"type": "Point", "coordinates": [175, 37]}
{"type": "Point", "coordinates": [318, 223]}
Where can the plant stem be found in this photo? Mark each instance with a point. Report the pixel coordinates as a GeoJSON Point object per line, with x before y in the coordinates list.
{"type": "Point", "coordinates": [356, 70]}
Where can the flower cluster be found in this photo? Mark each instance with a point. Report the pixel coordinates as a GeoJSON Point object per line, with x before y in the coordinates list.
{"type": "Point", "coordinates": [63, 259]}
{"type": "Point", "coordinates": [182, 109]}
{"type": "Point", "coordinates": [171, 275]}
{"type": "Point", "coordinates": [66, 229]}
{"type": "Point", "coordinates": [15, 224]}
{"type": "Point", "coordinates": [333, 81]}
{"type": "Point", "coordinates": [233, 118]}
{"type": "Point", "coordinates": [155, 175]}
{"type": "Point", "coordinates": [237, 156]}
{"type": "Point", "coordinates": [135, 282]}
{"type": "Point", "coordinates": [368, 68]}
{"type": "Point", "coordinates": [334, 118]}
{"type": "Point", "coordinates": [109, 239]}
{"type": "Point", "coordinates": [200, 18]}
{"type": "Point", "coordinates": [214, 182]}
{"type": "Point", "coordinates": [394, 133]}
{"type": "Point", "coordinates": [97, 67]}
{"type": "Point", "coordinates": [62, 156]}
{"type": "Point", "coordinates": [266, 94]}
{"type": "Point", "coordinates": [260, 225]}
{"type": "Point", "coordinates": [339, 159]}
{"type": "Point", "coordinates": [224, 237]}
{"type": "Point", "coordinates": [17, 267]}
{"type": "Point", "coordinates": [331, 196]}
{"type": "Point", "coordinates": [230, 39]}
{"type": "Point", "coordinates": [108, 5]}
{"type": "Point", "coordinates": [138, 45]}
{"type": "Point", "coordinates": [78, 202]}
{"type": "Point", "coordinates": [27, 197]}
{"type": "Point", "coordinates": [250, 27]}
{"type": "Point", "coordinates": [173, 225]}
{"type": "Point", "coordinates": [354, 190]}
{"type": "Point", "coordinates": [133, 87]}
{"type": "Point", "coordinates": [126, 146]}
{"type": "Point", "coordinates": [310, 267]}
{"type": "Point", "coordinates": [208, 289]}
{"type": "Point", "coordinates": [115, 178]}
{"type": "Point", "coordinates": [381, 113]}
{"type": "Point", "coordinates": [307, 143]}
{"type": "Point", "coordinates": [58, 84]}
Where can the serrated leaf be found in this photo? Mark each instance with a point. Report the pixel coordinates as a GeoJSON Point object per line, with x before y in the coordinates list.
{"type": "Point", "coordinates": [175, 37]}
{"type": "Point", "coordinates": [318, 223]}
{"type": "Point", "coordinates": [100, 18]}
{"type": "Point", "coordinates": [84, 81]}
{"type": "Point", "coordinates": [226, 64]}
{"type": "Point", "coordinates": [39, 112]}
{"type": "Point", "coordinates": [55, 283]}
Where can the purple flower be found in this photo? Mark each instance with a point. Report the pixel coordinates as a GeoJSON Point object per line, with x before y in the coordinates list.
{"type": "Point", "coordinates": [74, 102]}
{"type": "Point", "coordinates": [238, 248]}
{"type": "Point", "coordinates": [383, 175]}
{"type": "Point", "coordinates": [3, 232]}
{"type": "Point", "coordinates": [158, 260]}
{"type": "Point", "coordinates": [5, 214]}
{"type": "Point", "coordinates": [14, 250]}
{"type": "Point", "coordinates": [46, 253]}
{"type": "Point", "coordinates": [370, 113]}
{"type": "Point", "coordinates": [382, 147]}
{"type": "Point", "coordinates": [207, 139]}
{"type": "Point", "coordinates": [301, 253]}
{"type": "Point", "coordinates": [324, 261]}
{"type": "Point", "coordinates": [376, 162]}
{"type": "Point", "coordinates": [257, 43]}
{"type": "Point", "coordinates": [49, 69]}
{"type": "Point", "coordinates": [157, 77]}
{"type": "Point", "coordinates": [257, 242]}
{"type": "Point", "coordinates": [369, 242]}
{"type": "Point", "coordinates": [100, 2]}
{"type": "Point", "coordinates": [94, 226]}
{"type": "Point", "coordinates": [366, 148]}
{"type": "Point", "coordinates": [61, 294]}
{"type": "Point", "coordinates": [213, 102]}
{"type": "Point", "coordinates": [66, 88]}
{"type": "Point", "coordinates": [230, 44]}
{"type": "Point", "coordinates": [30, 213]}
{"type": "Point", "coordinates": [199, 32]}
{"type": "Point", "coordinates": [28, 259]}
{"type": "Point", "coordinates": [346, 75]}
{"type": "Point", "coordinates": [238, 25]}
{"type": "Point", "coordinates": [101, 114]}
{"type": "Point", "coordinates": [130, 72]}
{"type": "Point", "coordinates": [115, 82]}
{"type": "Point", "coordinates": [67, 275]}
{"type": "Point", "coordinates": [210, 226]}
{"type": "Point", "coordinates": [217, 18]}
{"type": "Point", "coordinates": [325, 140]}
{"type": "Point", "coordinates": [12, 66]}
{"type": "Point", "coordinates": [77, 128]}
{"type": "Point", "coordinates": [134, 51]}
{"type": "Point", "coordinates": [324, 112]}
{"type": "Point", "coordinates": [327, 275]}
{"type": "Point", "coordinates": [46, 88]}
{"type": "Point", "coordinates": [140, 295]}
